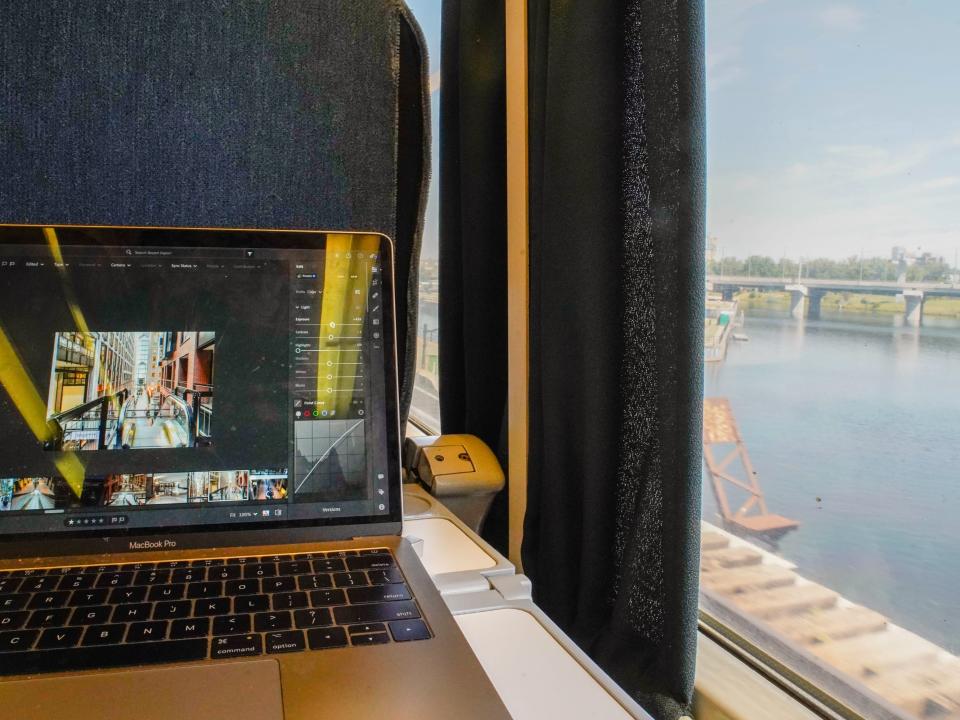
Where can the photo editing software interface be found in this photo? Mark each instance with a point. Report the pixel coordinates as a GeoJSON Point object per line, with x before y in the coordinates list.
{"type": "Point", "coordinates": [176, 387]}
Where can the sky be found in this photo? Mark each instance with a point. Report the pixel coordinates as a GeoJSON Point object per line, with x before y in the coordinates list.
{"type": "Point", "coordinates": [833, 128]}
{"type": "Point", "coordinates": [427, 13]}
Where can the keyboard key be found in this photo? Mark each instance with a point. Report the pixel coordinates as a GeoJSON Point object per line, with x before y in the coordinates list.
{"type": "Point", "coordinates": [46, 600]}
{"type": "Point", "coordinates": [147, 631]}
{"type": "Point", "coordinates": [204, 590]}
{"type": "Point", "coordinates": [317, 617]}
{"type": "Point", "coordinates": [104, 634]}
{"type": "Point", "coordinates": [260, 570]}
{"type": "Point", "coordinates": [231, 624]}
{"type": "Point", "coordinates": [242, 560]}
{"type": "Point", "coordinates": [383, 612]}
{"type": "Point", "coordinates": [403, 630]}
{"type": "Point", "coordinates": [166, 592]}
{"type": "Point", "coordinates": [137, 567]}
{"type": "Point", "coordinates": [63, 637]}
{"type": "Point", "coordinates": [212, 606]}
{"type": "Point", "coordinates": [284, 642]}
{"type": "Point", "coordinates": [188, 628]}
{"type": "Point", "coordinates": [306, 556]}
{"type": "Point", "coordinates": [76, 582]}
{"type": "Point", "coordinates": [278, 584]}
{"type": "Point", "coordinates": [224, 572]}
{"type": "Point", "coordinates": [188, 575]}
{"type": "Point", "coordinates": [243, 587]}
{"type": "Point", "coordinates": [129, 613]}
{"type": "Point", "coordinates": [124, 595]}
{"type": "Point", "coordinates": [65, 571]}
{"type": "Point", "coordinates": [49, 618]}
{"type": "Point", "coordinates": [370, 562]}
{"type": "Point", "coordinates": [296, 567]}
{"type": "Point", "coordinates": [276, 558]}
{"type": "Point", "coordinates": [16, 640]}
{"type": "Point", "coordinates": [91, 615]}
{"type": "Point", "coordinates": [40, 584]}
{"type": "Point", "coordinates": [369, 639]}
{"type": "Point", "coordinates": [97, 569]}
{"type": "Point", "coordinates": [366, 628]}
{"type": "Point", "coordinates": [207, 563]}
{"type": "Point", "coordinates": [350, 579]}
{"type": "Point", "coordinates": [323, 638]}
{"type": "Point", "coordinates": [329, 565]}
{"type": "Point", "coordinates": [152, 577]}
{"type": "Point", "coordinates": [89, 597]}
{"type": "Point", "coordinates": [173, 564]}
{"type": "Point", "coordinates": [88, 658]}
{"type": "Point", "coordinates": [265, 622]}
{"type": "Point", "coordinates": [236, 646]}
{"type": "Point", "coordinates": [112, 580]}
{"type": "Point", "coordinates": [374, 551]}
{"type": "Point", "coordinates": [289, 601]}
{"type": "Point", "coordinates": [251, 603]}
{"type": "Point", "coordinates": [315, 582]}
{"type": "Point", "coordinates": [172, 610]}
{"type": "Point", "coordinates": [16, 601]}
{"type": "Point", "coordinates": [323, 598]}
{"type": "Point", "coordinates": [9, 585]}
{"type": "Point", "coordinates": [26, 573]}
{"type": "Point", "coordinates": [378, 593]}
{"type": "Point", "coordinates": [13, 620]}
{"type": "Point", "coordinates": [385, 577]}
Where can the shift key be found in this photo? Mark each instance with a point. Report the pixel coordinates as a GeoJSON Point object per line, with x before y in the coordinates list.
{"type": "Point", "coordinates": [381, 612]}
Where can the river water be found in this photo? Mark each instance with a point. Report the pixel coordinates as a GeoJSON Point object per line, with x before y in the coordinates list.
{"type": "Point", "coordinates": [853, 425]}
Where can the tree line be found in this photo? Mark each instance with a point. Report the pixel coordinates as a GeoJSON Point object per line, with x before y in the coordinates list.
{"type": "Point", "coordinates": [852, 268]}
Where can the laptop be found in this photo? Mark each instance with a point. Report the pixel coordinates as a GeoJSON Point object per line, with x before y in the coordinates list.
{"type": "Point", "coordinates": [200, 490]}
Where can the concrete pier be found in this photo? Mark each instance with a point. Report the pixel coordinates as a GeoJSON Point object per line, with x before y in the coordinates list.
{"type": "Point", "coordinates": [913, 299]}
{"type": "Point", "coordinates": [797, 294]}
{"type": "Point", "coordinates": [813, 303]}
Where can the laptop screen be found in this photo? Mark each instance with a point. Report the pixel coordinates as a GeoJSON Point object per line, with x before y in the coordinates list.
{"type": "Point", "coordinates": [192, 380]}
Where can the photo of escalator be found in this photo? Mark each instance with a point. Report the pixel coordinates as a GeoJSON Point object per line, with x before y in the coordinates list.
{"type": "Point", "coordinates": [131, 390]}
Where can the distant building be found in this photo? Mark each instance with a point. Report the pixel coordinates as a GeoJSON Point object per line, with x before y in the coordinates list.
{"type": "Point", "coordinates": [87, 366]}
{"type": "Point", "coordinates": [186, 362]}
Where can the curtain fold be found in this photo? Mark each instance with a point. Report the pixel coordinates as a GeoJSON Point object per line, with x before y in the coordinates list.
{"type": "Point", "coordinates": [611, 535]}
{"type": "Point", "coordinates": [473, 232]}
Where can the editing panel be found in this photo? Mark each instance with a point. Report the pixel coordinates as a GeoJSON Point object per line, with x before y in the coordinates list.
{"type": "Point", "coordinates": [337, 339]}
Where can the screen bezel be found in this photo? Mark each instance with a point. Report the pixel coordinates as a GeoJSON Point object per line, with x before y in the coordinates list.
{"type": "Point", "coordinates": [197, 536]}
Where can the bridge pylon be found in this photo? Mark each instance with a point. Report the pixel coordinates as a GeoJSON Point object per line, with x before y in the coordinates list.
{"type": "Point", "coordinates": [797, 293]}
{"type": "Point", "coordinates": [913, 313]}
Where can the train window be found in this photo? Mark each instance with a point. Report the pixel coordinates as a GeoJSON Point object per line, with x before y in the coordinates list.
{"type": "Point", "coordinates": [425, 405]}
{"type": "Point", "coordinates": [832, 337]}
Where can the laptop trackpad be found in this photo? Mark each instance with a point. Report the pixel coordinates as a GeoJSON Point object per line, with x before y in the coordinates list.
{"type": "Point", "coordinates": [189, 692]}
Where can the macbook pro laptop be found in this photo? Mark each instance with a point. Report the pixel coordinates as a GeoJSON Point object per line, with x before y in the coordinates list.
{"type": "Point", "coordinates": [200, 492]}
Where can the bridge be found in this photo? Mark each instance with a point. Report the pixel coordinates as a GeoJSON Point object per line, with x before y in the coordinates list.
{"type": "Point", "coordinates": [813, 291]}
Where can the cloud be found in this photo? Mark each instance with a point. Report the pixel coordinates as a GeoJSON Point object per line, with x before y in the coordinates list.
{"type": "Point", "coordinates": [845, 198]}
{"type": "Point", "coordinates": [941, 183]}
{"type": "Point", "coordinates": [728, 25]}
{"type": "Point", "coordinates": [842, 17]}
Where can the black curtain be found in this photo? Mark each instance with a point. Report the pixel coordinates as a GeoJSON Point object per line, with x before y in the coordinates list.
{"type": "Point", "coordinates": [611, 537]}
{"type": "Point", "coordinates": [473, 232]}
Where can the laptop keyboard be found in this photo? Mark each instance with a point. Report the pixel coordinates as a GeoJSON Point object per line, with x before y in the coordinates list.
{"type": "Point", "coordinates": [87, 617]}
